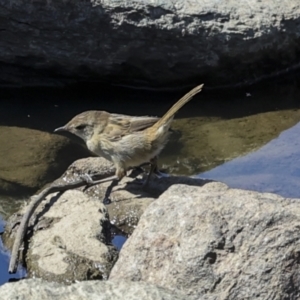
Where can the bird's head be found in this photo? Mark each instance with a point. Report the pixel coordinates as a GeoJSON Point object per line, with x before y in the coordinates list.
{"type": "Point", "coordinates": [84, 124]}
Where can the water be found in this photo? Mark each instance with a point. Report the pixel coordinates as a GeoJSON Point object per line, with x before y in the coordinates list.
{"type": "Point", "coordinates": [273, 168]}
{"type": "Point", "coordinates": [118, 241]}
{"type": "Point", "coordinates": [246, 138]}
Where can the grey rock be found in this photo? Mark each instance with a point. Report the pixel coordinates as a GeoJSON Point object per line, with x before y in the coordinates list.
{"type": "Point", "coordinates": [69, 236]}
{"type": "Point", "coordinates": [71, 239]}
{"type": "Point", "coordinates": [151, 43]}
{"type": "Point", "coordinates": [217, 243]}
{"type": "Point", "coordinates": [38, 289]}
{"type": "Point", "coordinates": [128, 199]}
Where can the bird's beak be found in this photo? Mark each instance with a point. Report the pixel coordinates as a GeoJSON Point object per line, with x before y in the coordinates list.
{"type": "Point", "coordinates": [63, 128]}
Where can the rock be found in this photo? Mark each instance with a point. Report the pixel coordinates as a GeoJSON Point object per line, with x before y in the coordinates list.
{"type": "Point", "coordinates": [213, 242]}
{"type": "Point", "coordinates": [126, 205]}
{"type": "Point", "coordinates": [73, 231]}
{"type": "Point", "coordinates": [30, 158]}
{"type": "Point", "coordinates": [146, 43]}
{"type": "Point", "coordinates": [71, 239]}
{"type": "Point", "coordinates": [128, 198]}
{"type": "Point", "coordinates": [38, 289]}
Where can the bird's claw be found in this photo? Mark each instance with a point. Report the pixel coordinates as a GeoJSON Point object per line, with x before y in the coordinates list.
{"type": "Point", "coordinates": [87, 178]}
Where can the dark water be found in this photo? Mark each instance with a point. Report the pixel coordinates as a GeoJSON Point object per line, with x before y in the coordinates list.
{"type": "Point", "coordinates": [246, 138]}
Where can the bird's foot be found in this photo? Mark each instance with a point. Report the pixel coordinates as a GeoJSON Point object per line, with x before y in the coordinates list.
{"type": "Point", "coordinates": [87, 178]}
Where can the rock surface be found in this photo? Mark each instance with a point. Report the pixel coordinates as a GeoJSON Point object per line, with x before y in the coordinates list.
{"type": "Point", "coordinates": [199, 237]}
{"type": "Point", "coordinates": [69, 237]}
{"type": "Point", "coordinates": [38, 289]}
{"type": "Point", "coordinates": [31, 158]}
{"type": "Point", "coordinates": [150, 43]}
{"type": "Point", "coordinates": [213, 242]}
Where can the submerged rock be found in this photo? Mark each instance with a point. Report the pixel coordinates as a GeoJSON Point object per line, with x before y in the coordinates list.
{"type": "Point", "coordinates": [30, 158]}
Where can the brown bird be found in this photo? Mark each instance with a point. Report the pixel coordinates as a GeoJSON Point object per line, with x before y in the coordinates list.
{"type": "Point", "coordinates": [127, 141]}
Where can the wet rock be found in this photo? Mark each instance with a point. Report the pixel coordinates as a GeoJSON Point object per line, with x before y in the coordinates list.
{"type": "Point", "coordinates": [213, 242]}
{"type": "Point", "coordinates": [146, 43]}
{"type": "Point", "coordinates": [31, 158]}
{"type": "Point", "coordinates": [38, 289]}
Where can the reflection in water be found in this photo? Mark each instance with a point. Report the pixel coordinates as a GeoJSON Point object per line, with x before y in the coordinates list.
{"type": "Point", "coordinates": [273, 168]}
{"type": "Point", "coordinates": [118, 241]}
{"type": "Point", "coordinates": [209, 144]}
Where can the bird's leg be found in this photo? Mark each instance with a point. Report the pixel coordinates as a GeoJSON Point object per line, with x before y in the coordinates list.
{"type": "Point", "coordinates": [115, 179]}
{"type": "Point", "coordinates": [120, 173]}
{"type": "Point", "coordinates": [90, 182]}
{"type": "Point", "coordinates": [153, 169]}
{"type": "Point", "coordinates": [106, 199]}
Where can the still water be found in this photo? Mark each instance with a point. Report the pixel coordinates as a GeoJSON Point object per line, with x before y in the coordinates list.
{"type": "Point", "coordinates": [273, 168]}
{"type": "Point", "coordinates": [246, 138]}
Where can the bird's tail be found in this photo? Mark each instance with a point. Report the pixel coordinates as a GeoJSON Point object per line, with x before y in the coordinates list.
{"type": "Point", "coordinates": [182, 101]}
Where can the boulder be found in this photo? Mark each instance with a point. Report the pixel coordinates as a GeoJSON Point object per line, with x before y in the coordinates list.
{"type": "Point", "coordinates": [213, 242]}
{"type": "Point", "coordinates": [88, 290]}
{"type": "Point", "coordinates": [146, 43]}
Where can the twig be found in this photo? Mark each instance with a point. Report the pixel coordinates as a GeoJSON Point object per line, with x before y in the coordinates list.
{"type": "Point", "coordinates": [36, 200]}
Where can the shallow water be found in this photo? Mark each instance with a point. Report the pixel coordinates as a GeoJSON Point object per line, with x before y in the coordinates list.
{"type": "Point", "coordinates": [273, 168]}
{"type": "Point", "coordinates": [245, 138]}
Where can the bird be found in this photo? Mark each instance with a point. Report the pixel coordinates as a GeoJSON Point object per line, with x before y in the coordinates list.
{"type": "Point", "coordinates": [126, 141]}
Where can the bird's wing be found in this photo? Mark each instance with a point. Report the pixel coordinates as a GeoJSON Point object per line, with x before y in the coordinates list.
{"type": "Point", "coordinates": [121, 125]}
{"type": "Point", "coordinates": [141, 123]}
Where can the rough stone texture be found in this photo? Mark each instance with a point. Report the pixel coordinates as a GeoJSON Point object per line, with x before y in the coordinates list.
{"type": "Point", "coordinates": [31, 158]}
{"type": "Point", "coordinates": [71, 239]}
{"type": "Point", "coordinates": [127, 202]}
{"type": "Point", "coordinates": [216, 243]}
{"type": "Point", "coordinates": [128, 199]}
{"type": "Point", "coordinates": [37, 289]}
{"type": "Point", "coordinates": [150, 43]}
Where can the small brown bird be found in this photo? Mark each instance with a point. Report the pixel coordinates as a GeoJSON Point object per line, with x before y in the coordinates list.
{"type": "Point", "coordinates": [127, 141]}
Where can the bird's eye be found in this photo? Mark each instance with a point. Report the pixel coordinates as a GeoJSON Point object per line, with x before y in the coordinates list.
{"type": "Point", "coordinates": [80, 127]}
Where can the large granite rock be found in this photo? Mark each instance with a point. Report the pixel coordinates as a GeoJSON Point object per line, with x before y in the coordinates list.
{"type": "Point", "coordinates": [151, 43]}
{"type": "Point", "coordinates": [88, 290]}
{"type": "Point", "coordinates": [213, 242]}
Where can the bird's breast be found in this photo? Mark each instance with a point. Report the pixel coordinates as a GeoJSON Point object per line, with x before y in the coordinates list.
{"type": "Point", "coordinates": [100, 147]}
